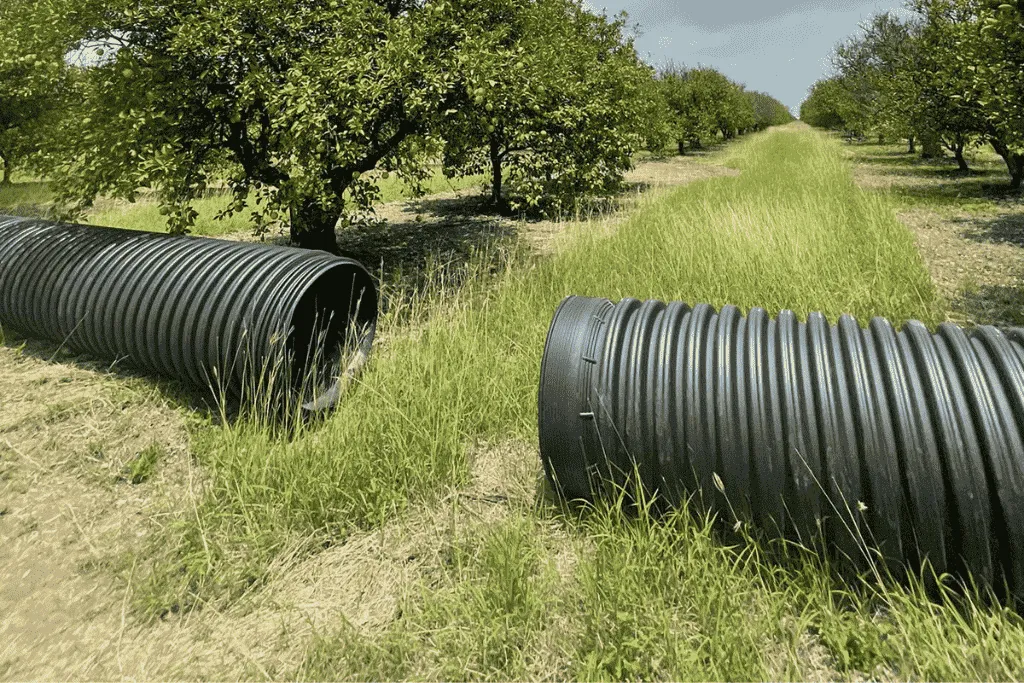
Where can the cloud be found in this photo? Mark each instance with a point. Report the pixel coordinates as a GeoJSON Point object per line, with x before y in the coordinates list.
{"type": "Point", "coordinates": [774, 46]}
{"type": "Point", "coordinates": [712, 15]}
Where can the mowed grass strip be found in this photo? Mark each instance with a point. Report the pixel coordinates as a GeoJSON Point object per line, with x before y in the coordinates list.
{"type": "Point", "coordinates": [643, 598]}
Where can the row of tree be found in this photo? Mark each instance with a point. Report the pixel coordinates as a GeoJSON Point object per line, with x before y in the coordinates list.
{"type": "Point", "coordinates": [297, 107]}
{"type": "Point", "coordinates": [950, 75]}
{"type": "Point", "coordinates": [702, 103]}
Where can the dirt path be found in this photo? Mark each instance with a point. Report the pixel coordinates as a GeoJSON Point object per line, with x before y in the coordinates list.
{"type": "Point", "coordinates": [969, 230]}
{"type": "Point", "coordinates": [77, 500]}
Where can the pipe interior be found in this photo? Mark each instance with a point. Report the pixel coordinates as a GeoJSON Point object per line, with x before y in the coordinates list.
{"type": "Point", "coordinates": [334, 319]}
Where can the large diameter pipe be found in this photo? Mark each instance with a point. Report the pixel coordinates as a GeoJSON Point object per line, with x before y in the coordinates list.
{"type": "Point", "coordinates": [232, 316]}
{"type": "Point", "coordinates": [908, 443]}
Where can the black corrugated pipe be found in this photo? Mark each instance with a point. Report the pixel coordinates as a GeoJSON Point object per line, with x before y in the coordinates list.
{"type": "Point", "coordinates": [232, 316]}
{"type": "Point", "coordinates": [907, 442]}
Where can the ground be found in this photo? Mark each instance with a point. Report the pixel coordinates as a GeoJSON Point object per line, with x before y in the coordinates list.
{"type": "Point", "coordinates": [96, 464]}
{"type": "Point", "coordinates": [74, 511]}
{"type": "Point", "coordinates": [969, 229]}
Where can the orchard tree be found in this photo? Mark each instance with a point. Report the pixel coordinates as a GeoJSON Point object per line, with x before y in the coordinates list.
{"type": "Point", "coordinates": [950, 75]}
{"type": "Point", "coordinates": [885, 60]}
{"type": "Point", "coordinates": [691, 112]}
{"type": "Point", "coordinates": [293, 102]}
{"type": "Point", "coordinates": [993, 44]}
{"type": "Point", "coordinates": [768, 111]}
{"type": "Point", "coordinates": [32, 83]}
{"type": "Point", "coordinates": [736, 112]}
{"type": "Point", "coordinates": [561, 104]}
{"type": "Point", "coordinates": [830, 105]}
{"type": "Point", "coordinates": [944, 103]}
{"type": "Point", "coordinates": [702, 102]}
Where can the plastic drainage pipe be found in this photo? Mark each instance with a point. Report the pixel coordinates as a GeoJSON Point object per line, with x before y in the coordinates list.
{"type": "Point", "coordinates": [232, 316]}
{"type": "Point", "coordinates": [908, 443]}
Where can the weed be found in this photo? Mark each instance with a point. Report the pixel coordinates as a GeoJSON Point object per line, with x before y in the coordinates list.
{"type": "Point", "coordinates": [143, 465]}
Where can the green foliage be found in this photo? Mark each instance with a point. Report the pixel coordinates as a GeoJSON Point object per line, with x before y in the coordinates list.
{"type": "Point", "coordinates": [768, 111]}
{"type": "Point", "coordinates": [702, 102]}
{"type": "Point", "coordinates": [992, 42]}
{"type": "Point", "coordinates": [559, 107]}
{"type": "Point", "coordinates": [143, 465]}
{"type": "Point", "coordinates": [293, 103]}
{"type": "Point", "coordinates": [830, 104]}
{"type": "Point", "coordinates": [32, 81]}
{"type": "Point", "coordinates": [951, 73]}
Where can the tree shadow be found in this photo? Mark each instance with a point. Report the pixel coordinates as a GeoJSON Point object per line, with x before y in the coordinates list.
{"type": "Point", "coordinates": [1006, 229]}
{"type": "Point", "coordinates": [407, 244]}
{"type": "Point", "coordinates": [28, 199]}
{"type": "Point", "coordinates": [940, 181]}
{"type": "Point", "coordinates": [176, 392]}
{"type": "Point", "coordinates": [999, 305]}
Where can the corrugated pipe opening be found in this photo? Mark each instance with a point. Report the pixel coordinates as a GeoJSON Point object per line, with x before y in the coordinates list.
{"type": "Point", "coordinates": [240, 318]}
{"type": "Point", "coordinates": [908, 443]}
{"type": "Point", "coordinates": [332, 328]}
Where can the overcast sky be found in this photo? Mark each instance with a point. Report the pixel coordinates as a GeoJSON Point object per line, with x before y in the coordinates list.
{"type": "Point", "coordinates": [775, 46]}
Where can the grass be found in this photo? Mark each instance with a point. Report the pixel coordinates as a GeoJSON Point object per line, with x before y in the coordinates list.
{"type": "Point", "coordinates": [143, 465]}
{"type": "Point", "coordinates": [640, 598]}
{"type": "Point", "coordinates": [31, 196]}
{"type": "Point", "coordinates": [510, 586]}
{"type": "Point", "coordinates": [938, 184]}
{"type": "Point", "coordinates": [969, 227]}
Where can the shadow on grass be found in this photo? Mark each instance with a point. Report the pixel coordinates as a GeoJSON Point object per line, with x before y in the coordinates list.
{"type": "Point", "coordinates": [407, 249]}
{"type": "Point", "coordinates": [940, 181]}
{"type": "Point", "coordinates": [31, 199]}
{"type": "Point", "coordinates": [174, 391]}
{"type": "Point", "coordinates": [999, 305]}
{"type": "Point", "coordinates": [994, 304]}
{"type": "Point", "coordinates": [1007, 229]}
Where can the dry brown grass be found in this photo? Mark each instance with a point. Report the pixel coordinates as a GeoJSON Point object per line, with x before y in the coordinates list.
{"type": "Point", "coordinates": [67, 432]}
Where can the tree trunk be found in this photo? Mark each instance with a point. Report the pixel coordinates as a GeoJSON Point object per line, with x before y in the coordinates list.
{"type": "Point", "coordinates": [312, 227]}
{"type": "Point", "coordinates": [7, 172]}
{"type": "Point", "coordinates": [695, 143]}
{"type": "Point", "coordinates": [496, 173]}
{"type": "Point", "coordinates": [1014, 162]}
{"type": "Point", "coordinates": [958, 152]}
{"type": "Point", "coordinates": [881, 139]}
{"type": "Point", "coordinates": [682, 148]}
{"type": "Point", "coordinates": [911, 147]}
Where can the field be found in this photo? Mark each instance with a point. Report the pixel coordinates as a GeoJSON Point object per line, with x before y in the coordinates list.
{"type": "Point", "coordinates": [411, 535]}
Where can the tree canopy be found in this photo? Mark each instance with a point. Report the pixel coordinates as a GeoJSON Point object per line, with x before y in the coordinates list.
{"type": "Point", "coordinates": [950, 74]}
{"type": "Point", "coordinates": [32, 82]}
{"type": "Point", "coordinates": [702, 102]}
{"type": "Point", "coordinates": [292, 103]}
{"type": "Point", "coordinates": [297, 107]}
{"type": "Point", "coordinates": [558, 112]}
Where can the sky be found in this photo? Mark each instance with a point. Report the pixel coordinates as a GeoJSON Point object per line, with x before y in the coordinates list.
{"type": "Point", "coordinates": [776, 46]}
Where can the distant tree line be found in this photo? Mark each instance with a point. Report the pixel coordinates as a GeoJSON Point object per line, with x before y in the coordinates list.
{"type": "Point", "coordinates": [702, 103]}
{"type": "Point", "coordinates": [297, 108]}
{"type": "Point", "coordinates": [950, 76]}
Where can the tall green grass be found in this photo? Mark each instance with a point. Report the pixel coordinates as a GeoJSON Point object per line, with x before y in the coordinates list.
{"type": "Point", "coordinates": [791, 231]}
